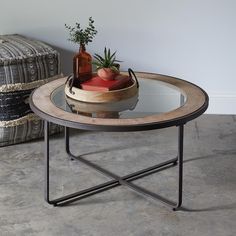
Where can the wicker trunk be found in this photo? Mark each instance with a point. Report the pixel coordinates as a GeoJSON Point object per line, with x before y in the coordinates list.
{"type": "Point", "coordinates": [24, 65]}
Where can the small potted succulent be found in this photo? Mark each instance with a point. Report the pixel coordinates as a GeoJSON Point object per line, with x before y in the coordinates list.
{"type": "Point", "coordinates": [107, 66]}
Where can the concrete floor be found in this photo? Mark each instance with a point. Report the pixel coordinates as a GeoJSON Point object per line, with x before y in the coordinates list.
{"type": "Point", "coordinates": [209, 184]}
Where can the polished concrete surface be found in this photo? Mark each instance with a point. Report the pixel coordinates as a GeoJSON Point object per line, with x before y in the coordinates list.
{"type": "Point", "coordinates": [209, 198]}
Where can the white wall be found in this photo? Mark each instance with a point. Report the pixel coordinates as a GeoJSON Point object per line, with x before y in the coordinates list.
{"type": "Point", "coordinates": [191, 39]}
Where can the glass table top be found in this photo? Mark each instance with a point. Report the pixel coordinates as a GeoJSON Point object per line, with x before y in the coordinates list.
{"type": "Point", "coordinates": [154, 97]}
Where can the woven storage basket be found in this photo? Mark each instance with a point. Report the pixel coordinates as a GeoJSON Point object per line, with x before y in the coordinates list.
{"type": "Point", "coordinates": [24, 65]}
{"type": "Point", "coordinates": [14, 105]}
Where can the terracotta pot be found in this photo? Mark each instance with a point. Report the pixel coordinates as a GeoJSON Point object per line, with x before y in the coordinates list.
{"type": "Point", "coordinates": [107, 73]}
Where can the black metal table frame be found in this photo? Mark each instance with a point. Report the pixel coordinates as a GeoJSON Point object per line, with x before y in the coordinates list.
{"type": "Point", "coordinates": [117, 180]}
{"type": "Point", "coordinates": [179, 122]}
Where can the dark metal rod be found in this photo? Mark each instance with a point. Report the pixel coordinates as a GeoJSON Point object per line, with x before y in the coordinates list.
{"type": "Point", "coordinates": [180, 166]}
{"type": "Point", "coordinates": [135, 174]}
{"type": "Point", "coordinates": [85, 191]}
{"type": "Point", "coordinates": [95, 189]}
{"type": "Point", "coordinates": [144, 174]}
{"type": "Point", "coordinates": [124, 182]}
{"type": "Point", "coordinates": [67, 141]}
{"type": "Point", "coordinates": [115, 182]}
{"type": "Point", "coordinates": [82, 196]}
{"type": "Point", "coordinates": [46, 155]}
{"type": "Point", "coordinates": [147, 193]}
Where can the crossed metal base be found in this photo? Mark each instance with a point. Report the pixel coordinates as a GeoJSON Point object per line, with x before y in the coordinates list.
{"type": "Point", "coordinates": [116, 180]}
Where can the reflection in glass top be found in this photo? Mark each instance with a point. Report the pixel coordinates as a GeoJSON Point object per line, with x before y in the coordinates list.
{"type": "Point", "coordinates": [154, 97]}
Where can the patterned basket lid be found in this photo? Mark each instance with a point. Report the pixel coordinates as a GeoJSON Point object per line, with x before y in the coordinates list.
{"type": "Point", "coordinates": [26, 61]}
{"type": "Point", "coordinates": [15, 48]}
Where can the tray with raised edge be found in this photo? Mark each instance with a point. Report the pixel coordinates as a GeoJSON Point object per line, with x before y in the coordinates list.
{"type": "Point", "coordinates": [102, 96]}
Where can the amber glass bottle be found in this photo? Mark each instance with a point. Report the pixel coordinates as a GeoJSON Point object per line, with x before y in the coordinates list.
{"type": "Point", "coordinates": [82, 64]}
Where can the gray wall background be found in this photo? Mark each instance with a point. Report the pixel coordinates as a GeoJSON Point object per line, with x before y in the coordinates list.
{"type": "Point", "coordinates": [191, 39]}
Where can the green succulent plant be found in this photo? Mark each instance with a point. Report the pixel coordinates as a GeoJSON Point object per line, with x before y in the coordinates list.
{"type": "Point", "coordinates": [106, 61]}
{"type": "Point", "coordinates": [81, 36]}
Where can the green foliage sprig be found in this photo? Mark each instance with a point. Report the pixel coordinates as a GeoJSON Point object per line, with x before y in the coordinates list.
{"type": "Point", "coordinates": [81, 36]}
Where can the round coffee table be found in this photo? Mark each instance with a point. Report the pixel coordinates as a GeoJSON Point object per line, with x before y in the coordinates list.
{"type": "Point", "coordinates": [162, 102]}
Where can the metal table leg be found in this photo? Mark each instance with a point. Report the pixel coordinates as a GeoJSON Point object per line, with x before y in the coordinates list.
{"type": "Point", "coordinates": [117, 180]}
{"type": "Point", "coordinates": [180, 167]}
{"type": "Point", "coordinates": [46, 164]}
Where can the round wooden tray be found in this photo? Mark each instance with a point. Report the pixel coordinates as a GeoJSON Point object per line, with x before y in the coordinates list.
{"type": "Point", "coordinates": [101, 97]}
